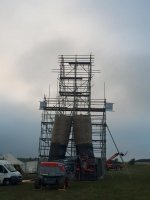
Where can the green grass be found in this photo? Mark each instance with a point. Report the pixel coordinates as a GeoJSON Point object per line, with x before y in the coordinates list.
{"type": "Point", "coordinates": [131, 184]}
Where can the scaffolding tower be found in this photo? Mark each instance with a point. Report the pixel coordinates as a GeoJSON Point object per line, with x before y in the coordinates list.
{"type": "Point", "coordinates": [74, 98]}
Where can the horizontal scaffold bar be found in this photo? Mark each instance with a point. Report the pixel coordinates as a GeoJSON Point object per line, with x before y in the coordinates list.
{"type": "Point", "coordinates": [74, 109]}
{"type": "Point", "coordinates": [69, 77]}
{"type": "Point", "coordinates": [79, 63]}
{"type": "Point", "coordinates": [83, 94]}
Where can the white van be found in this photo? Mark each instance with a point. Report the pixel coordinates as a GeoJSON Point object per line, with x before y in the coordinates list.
{"type": "Point", "coordinates": [8, 174]}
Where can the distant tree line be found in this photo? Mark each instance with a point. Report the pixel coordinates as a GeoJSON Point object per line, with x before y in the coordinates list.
{"type": "Point", "coordinates": [28, 159]}
{"type": "Point", "coordinates": [143, 160]}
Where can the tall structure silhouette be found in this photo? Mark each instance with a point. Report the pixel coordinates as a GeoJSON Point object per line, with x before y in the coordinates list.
{"type": "Point", "coordinates": [74, 100]}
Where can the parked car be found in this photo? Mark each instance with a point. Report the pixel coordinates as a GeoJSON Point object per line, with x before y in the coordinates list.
{"type": "Point", "coordinates": [51, 174]}
{"type": "Point", "coordinates": [8, 174]}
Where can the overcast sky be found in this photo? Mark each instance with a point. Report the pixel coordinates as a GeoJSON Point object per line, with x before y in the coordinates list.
{"type": "Point", "coordinates": [32, 35]}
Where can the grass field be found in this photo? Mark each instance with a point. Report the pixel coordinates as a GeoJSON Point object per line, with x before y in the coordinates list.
{"type": "Point", "coordinates": [131, 184]}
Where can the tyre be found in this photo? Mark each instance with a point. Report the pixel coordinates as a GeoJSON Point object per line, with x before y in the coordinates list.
{"type": "Point", "coordinates": [66, 183]}
{"type": "Point", "coordinates": [61, 183]}
{"type": "Point", "coordinates": [6, 182]}
{"type": "Point", "coordinates": [78, 175]}
{"type": "Point", "coordinates": [37, 183]}
{"type": "Point", "coordinates": [14, 180]}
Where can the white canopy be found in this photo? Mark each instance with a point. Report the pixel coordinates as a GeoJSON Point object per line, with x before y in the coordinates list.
{"type": "Point", "coordinates": [14, 161]}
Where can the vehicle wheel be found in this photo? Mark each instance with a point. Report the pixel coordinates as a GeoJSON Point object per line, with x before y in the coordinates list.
{"type": "Point", "coordinates": [13, 180]}
{"type": "Point", "coordinates": [78, 175]}
{"type": "Point", "coordinates": [66, 183]}
{"type": "Point", "coordinates": [37, 183]}
{"type": "Point", "coordinates": [6, 182]}
{"type": "Point", "coordinates": [62, 183]}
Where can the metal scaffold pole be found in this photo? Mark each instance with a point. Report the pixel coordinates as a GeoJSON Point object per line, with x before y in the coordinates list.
{"type": "Point", "coordinates": [74, 98]}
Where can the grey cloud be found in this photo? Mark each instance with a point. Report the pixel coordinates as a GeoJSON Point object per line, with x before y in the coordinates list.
{"type": "Point", "coordinates": [118, 35]}
{"type": "Point", "coordinates": [129, 73]}
{"type": "Point", "coordinates": [20, 129]}
{"type": "Point", "coordinates": [127, 85]}
{"type": "Point", "coordinates": [35, 66]}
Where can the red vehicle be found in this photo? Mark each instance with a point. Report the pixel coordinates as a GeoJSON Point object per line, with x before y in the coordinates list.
{"type": "Point", "coordinates": [86, 168]}
{"type": "Point", "coordinates": [112, 164]}
{"type": "Point", "coordinates": [51, 174]}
